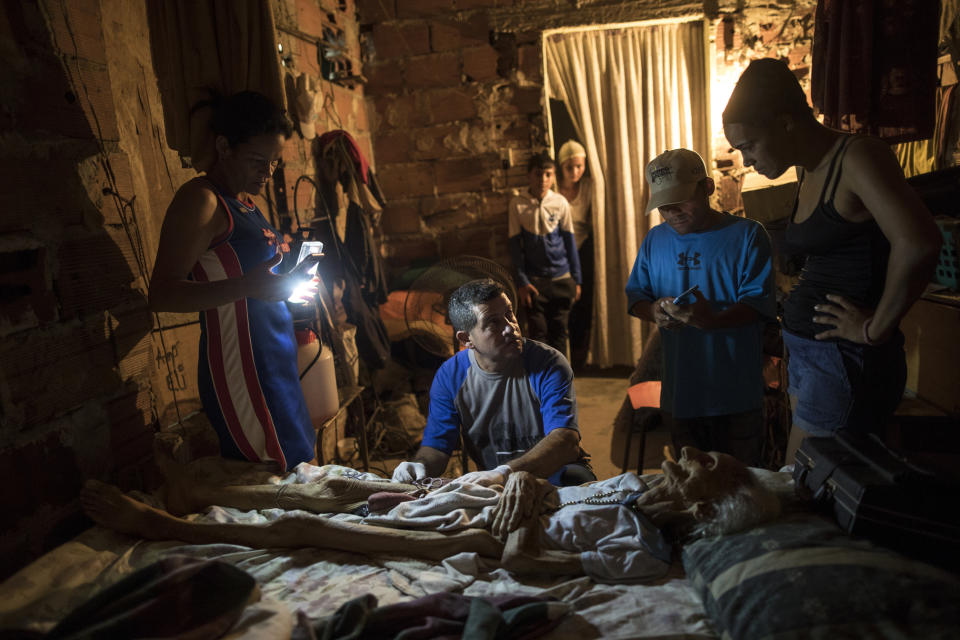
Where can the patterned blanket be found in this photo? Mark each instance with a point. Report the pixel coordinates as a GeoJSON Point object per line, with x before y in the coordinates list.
{"type": "Point", "coordinates": [316, 582]}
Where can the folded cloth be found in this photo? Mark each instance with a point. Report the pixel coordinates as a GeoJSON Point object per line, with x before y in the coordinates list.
{"type": "Point", "coordinates": [437, 616]}
{"type": "Point", "coordinates": [450, 508]}
{"type": "Point", "coordinates": [178, 596]}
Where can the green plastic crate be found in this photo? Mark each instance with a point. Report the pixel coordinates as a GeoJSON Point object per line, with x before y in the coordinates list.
{"type": "Point", "coordinates": [948, 264]}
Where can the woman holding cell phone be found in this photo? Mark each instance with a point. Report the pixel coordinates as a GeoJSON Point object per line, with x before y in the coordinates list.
{"type": "Point", "coordinates": [217, 254]}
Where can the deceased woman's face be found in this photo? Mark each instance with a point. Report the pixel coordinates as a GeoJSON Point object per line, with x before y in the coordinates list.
{"type": "Point", "coordinates": [705, 477]}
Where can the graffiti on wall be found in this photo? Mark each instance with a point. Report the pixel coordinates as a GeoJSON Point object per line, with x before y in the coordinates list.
{"type": "Point", "coordinates": [170, 362]}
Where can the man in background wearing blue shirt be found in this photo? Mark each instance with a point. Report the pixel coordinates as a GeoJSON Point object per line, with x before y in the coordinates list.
{"type": "Point", "coordinates": [511, 399]}
{"type": "Point", "coordinates": [712, 391]}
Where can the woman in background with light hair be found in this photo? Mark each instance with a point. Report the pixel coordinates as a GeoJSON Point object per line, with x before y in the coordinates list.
{"type": "Point", "coordinates": [577, 187]}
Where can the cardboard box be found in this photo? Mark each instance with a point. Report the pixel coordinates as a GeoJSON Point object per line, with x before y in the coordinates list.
{"type": "Point", "coordinates": [933, 353]}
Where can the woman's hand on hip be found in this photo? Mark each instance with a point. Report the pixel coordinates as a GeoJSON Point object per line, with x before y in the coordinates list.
{"type": "Point", "coordinates": [846, 319]}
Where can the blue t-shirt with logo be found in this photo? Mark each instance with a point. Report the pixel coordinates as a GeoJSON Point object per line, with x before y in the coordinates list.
{"type": "Point", "coordinates": [719, 371]}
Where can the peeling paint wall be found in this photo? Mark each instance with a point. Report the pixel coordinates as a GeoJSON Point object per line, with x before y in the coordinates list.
{"type": "Point", "coordinates": [784, 32]}
{"type": "Point", "coordinates": [456, 99]}
{"type": "Point", "coordinates": [87, 374]}
{"type": "Point", "coordinates": [76, 360]}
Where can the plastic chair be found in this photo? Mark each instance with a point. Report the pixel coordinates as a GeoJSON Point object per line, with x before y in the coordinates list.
{"type": "Point", "coordinates": [645, 400]}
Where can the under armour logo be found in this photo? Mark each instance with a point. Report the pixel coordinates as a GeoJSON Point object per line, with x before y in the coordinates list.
{"type": "Point", "coordinates": [658, 175]}
{"type": "Point", "coordinates": [686, 261]}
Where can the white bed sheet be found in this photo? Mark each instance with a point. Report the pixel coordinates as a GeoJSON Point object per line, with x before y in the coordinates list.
{"type": "Point", "coordinates": [315, 582]}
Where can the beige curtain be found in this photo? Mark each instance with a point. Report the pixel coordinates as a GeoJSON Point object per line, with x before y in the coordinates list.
{"type": "Point", "coordinates": [229, 45]}
{"type": "Point", "coordinates": [632, 93]}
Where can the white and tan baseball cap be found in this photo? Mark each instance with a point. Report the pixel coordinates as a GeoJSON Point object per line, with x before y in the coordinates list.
{"type": "Point", "coordinates": [673, 177]}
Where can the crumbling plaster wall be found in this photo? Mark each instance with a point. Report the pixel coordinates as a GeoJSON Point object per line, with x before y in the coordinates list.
{"type": "Point", "coordinates": [456, 98]}
{"type": "Point", "coordinates": [76, 360]}
{"type": "Point", "coordinates": [87, 374]}
{"type": "Point", "coordinates": [300, 25]}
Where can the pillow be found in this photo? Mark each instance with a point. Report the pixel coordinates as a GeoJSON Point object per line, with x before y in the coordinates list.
{"type": "Point", "coordinates": [802, 577]}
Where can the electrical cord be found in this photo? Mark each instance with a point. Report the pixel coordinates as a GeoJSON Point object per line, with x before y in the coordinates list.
{"type": "Point", "coordinates": [312, 328]}
{"type": "Point", "coordinates": [334, 238]}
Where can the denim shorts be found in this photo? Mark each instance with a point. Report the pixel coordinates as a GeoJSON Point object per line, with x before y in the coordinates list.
{"type": "Point", "coordinates": [844, 385]}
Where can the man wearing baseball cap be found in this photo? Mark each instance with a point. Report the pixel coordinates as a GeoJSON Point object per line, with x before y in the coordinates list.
{"type": "Point", "coordinates": [712, 390]}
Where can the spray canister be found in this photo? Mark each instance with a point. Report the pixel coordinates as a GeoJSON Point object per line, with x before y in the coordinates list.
{"type": "Point", "coordinates": [319, 383]}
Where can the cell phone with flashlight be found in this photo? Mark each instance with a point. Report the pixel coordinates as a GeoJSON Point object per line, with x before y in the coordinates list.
{"type": "Point", "coordinates": [310, 252]}
{"type": "Point", "coordinates": [310, 248]}
{"type": "Point", "coordinates": [685, 294]}
{"type": "Point", "coordinates": [306, 267]}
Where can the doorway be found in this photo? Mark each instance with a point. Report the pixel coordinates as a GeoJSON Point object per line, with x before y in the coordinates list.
{"type": "Point", "coordinates": [630, 91]}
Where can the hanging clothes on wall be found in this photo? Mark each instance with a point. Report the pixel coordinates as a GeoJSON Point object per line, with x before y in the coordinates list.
{"type": "Point", "coordinates": [220, 44]}
{"type": "Point", "coordinates": [940, 151]}
{"type": "Point", "coordinates": [341, 164]}
{"type": "Point", "coordinates": [931, 154]}
{"type": "Point", "coordinates": [365, 253]}
{"type": "Point", "coordinates": [350, 148]}
{"type": "Point", "coordinates": [341, 160]}
{"type": "Point", "coordinates": [875, 66]}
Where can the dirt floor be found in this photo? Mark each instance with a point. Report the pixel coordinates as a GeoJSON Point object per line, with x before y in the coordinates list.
{"type": "Point", "coordinates": [599, 397]}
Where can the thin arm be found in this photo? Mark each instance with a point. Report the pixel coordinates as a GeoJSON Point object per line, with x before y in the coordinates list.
{"type": "Point", "coordinates": [560, 447]}
{"type": "Point", "coordinates": [191, 223]}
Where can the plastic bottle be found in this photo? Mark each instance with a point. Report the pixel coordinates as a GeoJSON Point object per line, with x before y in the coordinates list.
{"type": "Point", "coordinates": [320, 382]}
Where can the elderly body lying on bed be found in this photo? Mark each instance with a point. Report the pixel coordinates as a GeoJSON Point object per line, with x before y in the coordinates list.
{"type": "Point", "coordinates": [613, 530]}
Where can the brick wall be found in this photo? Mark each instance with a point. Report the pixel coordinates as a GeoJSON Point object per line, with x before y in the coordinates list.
{"type": "Point", "coordinates": [449, 101]}
{"type": "Point", "coordinates": [300, 28]}
{"type": "Point", "coordinates": [75, 359]}
{"type": "Point", "coordinates": [740, 37]}
{"type": "Point", "coordinates": [87, 376]}
{"type": "Point", "coordinates": [456, 98]}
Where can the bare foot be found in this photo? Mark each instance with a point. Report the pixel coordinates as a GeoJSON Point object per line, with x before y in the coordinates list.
{"type": "Point", "coordinates": [109, 507]}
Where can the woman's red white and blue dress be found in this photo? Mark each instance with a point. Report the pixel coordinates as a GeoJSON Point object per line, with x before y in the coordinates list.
{"type": "Point", "coordinates": [247, 366]}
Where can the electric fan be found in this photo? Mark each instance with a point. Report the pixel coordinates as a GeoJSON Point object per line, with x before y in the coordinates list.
{"type": "Point", "coordinates": [425, 308]}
